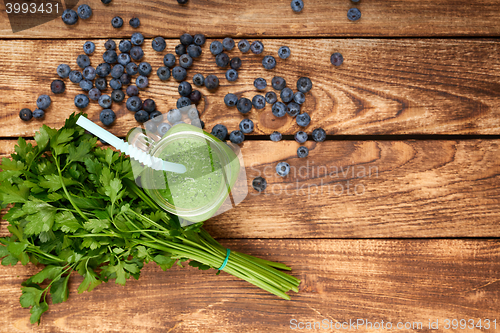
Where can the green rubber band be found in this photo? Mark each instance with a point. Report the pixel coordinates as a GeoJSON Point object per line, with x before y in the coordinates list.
{"type": "Point", "coordinates": [225, 260]}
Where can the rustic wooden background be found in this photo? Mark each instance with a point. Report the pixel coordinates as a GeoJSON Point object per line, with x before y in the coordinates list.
{"type": "Point", "coordinates": [417, 99]}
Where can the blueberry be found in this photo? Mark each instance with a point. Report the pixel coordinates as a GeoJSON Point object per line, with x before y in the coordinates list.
{"type": "Point", "coordinates": [117, 71]}
{"type": "Point", "coordinates": [43, 102]}
{"type": "Point", "coordinates": [303, 119]}
{"type": "Point", "coordinates": [269, 62]}
{"type": "Point", "coordinates": [137, 38]}
{"type": "Point", "coordinates": [275, 136]}
{"type": "Point", "coordinates": [38, 113]}
{"type": "Point", "coordinates": [133, 103]}
{"type": "Point", "coordinates": [271, 97]}
{"type": "Point", "coordinates": [302, 152]}
{"type": "Point", "coordinates": [150, 127]}
{"type": "Point", "coordinates": [259, 184]}
{"type": "Point", "coordinates": [355, 1]}
{"type": "Point", "coordinates": [103, 69]}
{"type": "Point", "coordinates": [186, 39]}
{"type": "Point", "coordinates": [158, 44]}
{"type": "Point", "coordinates": [297, 5]}
{"type": "Point", "coordinates": [180, 49]}
{"type": "Point", "coordinates": [81, 101]}
{"type": "Point", "coordinates": [142, 82]}
{"type": "Point", "coordinates": [259, 102]}
{"type": "Point", "coordinates": [83, 61]}
{"type": "Point", "coordinates": [132, 90]}
{"type": "Point", "coordinates": [211, 82]}
{"type": "Point", "coordinates": [141, 116]}
{"type": "Point", "coordinates": [185, 61]}
{"type": "Point", "coordinates": [257, 47]}
{"type": "Point", "coordinates": [123, 59]}
{"type": "Point", "coordinates": [228, 43]}
{"type": "Point", "coordinates": [88, 48]}
{"type": "Point", "coordinates": [117, 95]}
{"type": "Point", "coordinates": [185, 89]}
{"type": "Point", "coordinates": [231, 75]}
{"type": "Point", "coordinates": [199, 39]}
{"type": "Point", "coordinates": [279, 109]}
{"type": "Point", "coordinates": [94, 94]}
{"type": "Point", "coordinates": [25, 114]}
{"type": "Point", "coordinates": [219, 131]}
{"type": "Point", "coordinates": [179, 73]}
{"type": "Point", "coordinates": [110, 56]}
{"type": "Point", "coordinates": [136, 53]}
{"type": "Point", "coordinates": [63, 71]}
{"type": "Point", "coordinates": [100, 83]}
{"type": "Point", "coordinates": [230, 100]}
{"type": "Point", "coordinates": [284, 52]}
{"type": "Point", "coordinates": [246, 126]}
{"type": "Point", "coordinates": [286, 95]}
{"type": "Point", "coordinates": [117, 22]}
{"type": "Point", "coordinates": [244, 46]}
{"type": "Point", "coordinates": [236, 137]}
{"type": "Point", "coordinates": [163, 73]}
{"type": "Point", "coordinates": [195, 96]}
{"type": "Point", "coordinates": [132, 68]}
{"type": "Point", "coordinates": [144, 69]}
{"type": "Point", "coordinates": [260, 83]}
{"type": "Point", "coordinates": [156, 116]}
{"type": "Point", "coordinates": [174, 116]}
{"type": "Point", "coordinates": [183, 102]}
{"type": "Point", "coordinates": [319, 135]}
{"type": "Point", "coordinates": [169, 60]}
{"type": "Point", "coordinates": [244, 105]}
{"type": "Point", "coordinates": [278, 83]}
{"type": "Point", "coordinates": [57, 87]}
{"type": "Point", "coordinates": [69, 17]}
{"type": "Point", "coordinates": [222, 60]}
{"type": "Point", "coordinates": [283, 169]}
{"type": "Point", "coordinates": [106, 2]}
{"type": "Point", "coordinates": [304, 84]}
{"type": "Point", "coordinates": [235, 63]}
{"type": "Point", "coordinates": [88, 73]}
{"type": "Point", "coordinates": [75, 76]}
{"type": "Point", "coordinates": [125, 45]}
{"type": "Point", "coordinates": [300, 137]}
{"type": "Point", "coordinates": [163, 128]}
{"type": "Point", "coordinates": [105, 101]}
{"type": "Point", "coordinates": [216, 47]}
{"type": "Point", "coordinates": [336, 59]}
{"type": "Point", "coordinates": [354, 14]}
{"type": "Point", "coordinates": [125, 79]}
{"type": "Point", "coordinates": [194, 51]}
{"type": "Point", "coordinates": [198, 80]}
{"type": "Point", "coordinates": [110, 45]}
{"type": "Point", "coordinates": [293, 109]}
{"type": "Point", "coordinates": [299, 97]}
{"type": "Point", "coordinates": [134, 22]}
{"type": "Point", "coordinates": [107, 117]}
{"type": "Point", "coordinates": [115, 84]}
{"type": "Point", "coordinates": [193, 114]}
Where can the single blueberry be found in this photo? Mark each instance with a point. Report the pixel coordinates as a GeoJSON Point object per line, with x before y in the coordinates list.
{"type": "Point", "coordinates": [103, 69]}
{"type": "Point", "coordinates": [185, 61]}
{"type": "Point", "coordinates": [246, 126]}
{"type": "Point", "coordinates": [185, 89]}
{"type": "Point", "coordinates": [283, 169]}
{"type": "Point", "coordinates": [156, 116]}
{"type": "Point", "coordinates": [125, 45]}
{"type": "Point", "coordinates": [259, 102]}
{"type": "Point", "coordinates": [106, 2]}
{"type": "Point", "coordinates": [75, 76]}
{"type": "Point", "coordinates": [115, 84]}
{"type": "Point", "coordinates": [186, 39]}
{"type": "Point", "coordinates": [149, 105]}
{"type": "Point", "coordinates": [297, 5]}
{"type": "Point", "coordinates": [117, 22]}
{"type": "Point", "coordinates": [216, 47]}
{"type": "Point", "coordinates": [107, 117]}
{"type": "Point", "coordinates": [57, 87]}
{"type": "Point", "coordinates": [259, 184]}
{"type": "Point", "coordinates": [141, 116]}
{"type": "Point", "coordinates": [123, 59]}
{"type": "Point", "coordinates": [38, 113]}
{"type": "Point", "coordinates": [179, 73]}
{"type": "Point", "coordinates": [174, 116]}
{"type": "Point", "coordinates": [194, 51]}
{"type": "Point", "coordinates": [81, 101]}
{"type": "Point", "coordinates": [319, 135]}
{"type": "Point", "coordinates": [63, 71]}
{"type": "Point", "coordinates": [134, 22]}
{"type": "Point", "coordinates": [133, 103]}
{"type": "Point", "coordinates": [228, 43]}
{"type": "Point", "coordinates": [299, 97]}
{"type": "Point", "coordinates": [302, 152]}
{"type": "Point", "coordinates": [132, 68]}
{"type": "Point", "coordinates": [163, 128]}
{"type": "Point", "coordinates": [183, 102]}
{"type": "Point", "coordinates": [219, 131]}
{"type": "Point", "coordinates": [244, 46]}
{"type": "Point", "coordinates": [269, 62]}
{"type": "Point", "coordinates": [195, 96]}
{"type": "Point", "coordinates": [222, 60]}
{"type": "Point", "coordinates": [244, 105]}
{"type": "Point", "coordinates": [158, 44]}
{"type": "Point", "coordinates": [69, 17]}
{"type": "Point", "coordinates": [137, 38]}
{"type": "Point", "coordinates": [271, 97]}
{"type": "Point", "coordinates": [101, 83]}
{"type": "Point", "coordinates": [260, 83]}
{"type": "Point", "coordinates": [336, 59]}
{"type": "Point", "coordinates": [136, 53]}
{"type": "Point", "coordinates": [300, 136]}
{"type": "Point", "coordinates": [88, 47]}
{"type": "Point", "coordinates": [211, 82]}
{"type": "Point", "coordinates": [354, 14]}
{"type": "Point", "coordinates": [125, 79]}
{"type": "Point", "coordinates": [169, 60]}
{"type": "Point", "coordinates": [145, 68]}
{"type": "Point", "coordinates": [257, 47]}
{"type": "Point", "coordinates": [193, 114]}
{"type": "Point", "coordinates": [180, 49]}
{"type": "Point", "coordinates": [235, 63]}
{"type": "Point", "coordinates": [117, 95]}
{"type": "Point", "coordinates": [275, 136]}
{"type": "Point", "coordinates": [293, 109]}
{"type": "Point", "coordinates": [304, 84]}
{"type": "Point", "coordinates": [279, 109]}
{"type": "Point", "coordinates": [110, 57]}
{"type": "Point", "coordinates": [198, 80]}
{"type": "Point", "coordinates": [284, 52]}
{"type": "Point", "coordinates": [25, 114]}
{"type": "Point", "coordinates": [237, 137]}
{"type": "Point", "coordinates": [303, 119]}
{"type": "Point", "coordinates": [117, 71]}
{"type": "Point", "coordinates": [110, 45]}
{"type": "Point", "coordinates": [94, 94]}
{"type": "Point", "coordinates": [231, 100]}
{"type": "Point", "coordinates": [231, 75]}
{"type": "Point", "coordinates": [88, 73]}
{"type": "Point", "coordinates": [132, 90]}
{"type": "Point", "coordinates": [105, 101]}
{"type": "Point", "coordinates": [43, 102]}
{"type": "Point", "coordinates": [286, 95]}
{"type": "Point", "coordinates": [163, 73]}
{"type": "Point", "coordinates": [142, 82]}
{"type": "Point", "coordinates": [82, 61]}
{"type": "Point", "coordinates": [199, 39]}
{"type": "Point", "coordinates": [278, 83]}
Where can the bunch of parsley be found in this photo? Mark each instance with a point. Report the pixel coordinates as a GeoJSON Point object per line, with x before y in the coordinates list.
{"type": "Point", "coordinates": [76, 207]}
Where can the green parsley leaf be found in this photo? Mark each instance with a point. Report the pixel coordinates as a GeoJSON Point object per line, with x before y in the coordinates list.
{"type": "Point", "coordinates": [30, 296]}
{"type": "Point", "coordinates": [37, 311]}
{"type": "Point", "coordinates": [53, 182]}
{"type": "Point", "coordinates": [9, 260]}
{"type": "Point", "coordinates": [112, 190]}
{"type": "Point", "coordinates": [3, 251]}
{"type": "Point", "coordinates": [49, 272]}
{"type": "Point", "coordinates": [164, 262]}
{"type": "Point", "coordinates": [80, 153]}
{"type": "Point", "coordinates": [200, 266]}
{"type": "Point", "coordinates": [89, 282]}
{"type": "Point", "coordinates": [42, 218]}
{"type": "Point", "coordinates": [95, 226]}
{"type": "Point", "coordinates": [10, 193]}
{"type": "Point", "coordinates": [59, 290]}
{"type": "Point", "coordinates": [16, 248]}
{"type": "Point", "coordinates": [66, 222]}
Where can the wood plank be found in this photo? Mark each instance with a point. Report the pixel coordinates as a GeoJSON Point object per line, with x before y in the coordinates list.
{"type": "Point", "coordinates": [273, 18]}
{"type": "Point", "coordinates": [383, 87]}
{"type": "Point", "coordinates": [390, 280]}
{"type": "Point", "coordinates": [368, 189]}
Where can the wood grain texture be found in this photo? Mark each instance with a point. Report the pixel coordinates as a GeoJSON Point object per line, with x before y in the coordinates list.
{"type": "Point", "coordinates": [389, 280]}
{"type": "Point", "coordinates": [383, 87]}
{"type": "Point", "coordinates": [275, 18]}
{"type": "Point", "coordinates": [367, 189]}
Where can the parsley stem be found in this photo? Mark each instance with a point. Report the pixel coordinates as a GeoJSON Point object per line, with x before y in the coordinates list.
{"type": "Point", "coordinates": [66, 190]}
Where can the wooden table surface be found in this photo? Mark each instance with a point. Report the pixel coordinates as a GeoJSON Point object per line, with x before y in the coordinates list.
{"type": "Point", "coordinates": [413, 124]}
